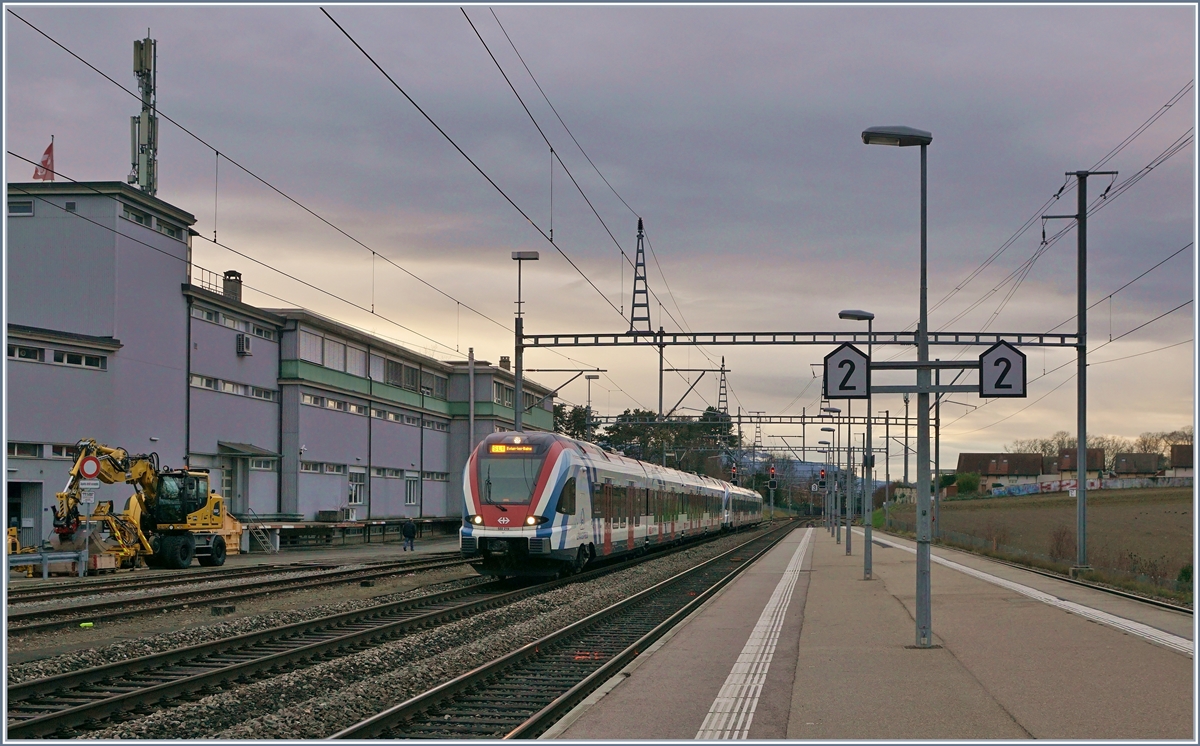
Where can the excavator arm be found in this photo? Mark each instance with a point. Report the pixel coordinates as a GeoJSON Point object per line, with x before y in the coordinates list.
{"type": "Point", "coordinates": [116, 466]}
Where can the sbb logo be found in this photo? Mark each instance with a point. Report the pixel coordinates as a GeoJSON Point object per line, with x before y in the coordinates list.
{"type": "Point", "coordinates": [502, 520]}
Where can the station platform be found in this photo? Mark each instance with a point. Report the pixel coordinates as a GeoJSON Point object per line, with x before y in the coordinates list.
{"type": "Point", "coordinates": [801, 647]}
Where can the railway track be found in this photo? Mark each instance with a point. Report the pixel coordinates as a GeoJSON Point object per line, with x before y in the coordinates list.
{"type": "Point", "coordinates": [521, 694]}
{"type": "Point", "coordinates": [62, 706]}
{"type": "Point", "coordinates": [42, 619]}
{"type": "Point", "coordinates": [50, 592]}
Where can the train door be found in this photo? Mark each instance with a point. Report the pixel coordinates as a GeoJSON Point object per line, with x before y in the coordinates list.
{"type": "Point", "coordinates": [608, 516]}
{"type": "Point", "coordinates": [632, 511]}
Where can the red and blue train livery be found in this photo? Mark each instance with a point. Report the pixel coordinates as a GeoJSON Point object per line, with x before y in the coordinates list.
{"type": "Point", "coordinates": [544, 504]}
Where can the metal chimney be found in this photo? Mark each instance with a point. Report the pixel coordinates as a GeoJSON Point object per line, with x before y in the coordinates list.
{"type": "Point", "coordinates": [232, 285]}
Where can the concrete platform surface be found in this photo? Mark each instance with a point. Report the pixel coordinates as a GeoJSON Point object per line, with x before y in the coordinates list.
{"type": "Point", "coordinates": [1006, 665]}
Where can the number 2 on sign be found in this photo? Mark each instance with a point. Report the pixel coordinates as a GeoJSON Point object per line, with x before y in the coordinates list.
{"type": "Point", "coordinates": [1000, 384]}
{"type": "Point", "coordinates": [842, 386]}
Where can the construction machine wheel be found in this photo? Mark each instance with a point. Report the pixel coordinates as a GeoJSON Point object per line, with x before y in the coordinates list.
{"type": "Point", "coordinates": [216, 556]}
{"type": "Point", "coordinates": [178, 551]}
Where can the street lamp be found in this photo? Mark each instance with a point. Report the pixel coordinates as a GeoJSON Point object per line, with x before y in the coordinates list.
{"type": "Point", "coordinates": [519, 351]}
{"type": "Point", "coordinates": [588, 428]}
{"type": "Point", "coordinates": [868, 453]}
{"type": "Point", "coordinates": [908, 137]}
{"type": "Point", "coordinates": [835, 526]}
{"type": "Point", "coordinates": [826, 509]}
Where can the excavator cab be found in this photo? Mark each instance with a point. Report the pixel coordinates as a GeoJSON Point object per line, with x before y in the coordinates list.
{"type": "Point", "coordinates": [179, 495]}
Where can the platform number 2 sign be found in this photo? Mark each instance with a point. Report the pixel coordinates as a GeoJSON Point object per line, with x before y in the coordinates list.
{"type": "Point", "coordinates": [1002, 372]}
{"type": "Point", "coordinates": [847, 373]}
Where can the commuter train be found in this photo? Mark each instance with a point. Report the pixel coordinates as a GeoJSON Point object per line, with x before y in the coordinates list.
{"type": "Point", "coordinates": [544, 504]}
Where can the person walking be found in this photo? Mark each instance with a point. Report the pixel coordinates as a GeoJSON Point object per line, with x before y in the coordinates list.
{"type": "Point", "coordinates": [409, 530]}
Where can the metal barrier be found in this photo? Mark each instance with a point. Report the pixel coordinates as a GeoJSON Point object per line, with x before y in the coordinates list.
{"type": "Point", "coordinates": [45, 558]}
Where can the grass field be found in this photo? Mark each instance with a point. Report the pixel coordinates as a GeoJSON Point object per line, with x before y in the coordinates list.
{"type": "Point", "coordinates": [1133, 535]}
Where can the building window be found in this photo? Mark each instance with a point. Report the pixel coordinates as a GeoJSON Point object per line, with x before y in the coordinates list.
{"type": "Point", "coordinates": [410, 420]}
{"type": "Point", "coordinates": [25, 450]}
{"type": "Point", "coordinates": [310, 347]}
{"type": "Point", "coordinates": [20, 207]}
{"type": "Point", "coordinates": [411, 376]}
{"type": "Point", "coordinates": [206, 314]}
{"type": "Point", "coordinates": [262, 464]}
{"type": "Point", "coordinates": [412, 490]}
{"type": "Point", "coordinates": [63, 451]}
{"type": "Point", "coordinates": [335, 404]}
{"type": "Point", "coordinates": [502, 429]}
{"type": "Point", "coordinates": [356, 362]}
{"type": "Point", "coordinates": [378, 414]}
{"type": "Point", "coordinates": [395, 473]}
{"type": "Point", "coordinates": [265, 394]}
{"type": "Point", "coordinates": [268, 334]}
{"type": "Point", "coordinates": [435, 425]}
{"type": "Point", "coordinates": [358, 409]}
{"type": "Point", "coordinates": [312, 401]}
{"type": "Point", "coordinates": [437, 476]}
{"type": "Point", "coordinates": [433, 385]}
{"type": "Point", "coordinates": [358, 487]}
{"type": "Point", "coordinates": [335, 355]}
{"type": "Point", "coordinates": [170, 230]}
{"type": "Point", "coordinates": [204, 382]}
{"type": "Point", "coordinates": [99, 362]}
{"type": "Point", "coordinates": [233, 323]}
{"type": "Point", "coordinates": [378, 471]}
{"type": "Point", "coordinates": [378, 365]}
{"type": "Point", "coordinates": [335, 468]}
{"type": "Point", "coordinates": [230, 387]}
{"type": "Point", "coordinates": [70, 207]}
{"type": "Point", "coordinates": [32, 354]}
{"type": "Point", "coordinates": [136, 216]}
{"type": "Point", "coordinates": [310, 466]}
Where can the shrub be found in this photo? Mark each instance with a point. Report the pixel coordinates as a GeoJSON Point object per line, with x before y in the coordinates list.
{"type": "Point", "coordinates": [1184, 581]}
{"type": "Point", "coordinates": [967, 482]}
{"type": "Point", "coordinates": [1062, 543]}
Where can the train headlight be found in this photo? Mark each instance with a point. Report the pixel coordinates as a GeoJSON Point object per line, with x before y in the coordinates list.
{"type": "Point", "coordinates": [477, 520]}
{"type": "Point", "coordinates": [534, 520]}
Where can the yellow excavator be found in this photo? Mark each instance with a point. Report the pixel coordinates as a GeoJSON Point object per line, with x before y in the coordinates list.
{"type": "Point", "coordinates": [171, 518]}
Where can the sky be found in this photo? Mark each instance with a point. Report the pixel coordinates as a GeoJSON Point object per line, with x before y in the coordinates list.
{"type": "Point", "coordinates": [733, 131]}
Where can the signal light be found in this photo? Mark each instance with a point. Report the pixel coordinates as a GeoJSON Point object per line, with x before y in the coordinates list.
{"type": "Point", "coordinates": [822, 474]}
{"type": "Point", "coordinates": [772, 472]}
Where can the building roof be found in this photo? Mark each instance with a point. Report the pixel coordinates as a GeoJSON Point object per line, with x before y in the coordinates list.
{"type": "Point", "coordinates": [53, 335]}
{"type": "Point", "coordinates": [1067, 456]}
{"type": "Point", "coordinates": [1001, 464]}
{"type": "Point", "coordinates": [110, 189]}
{"type": "Point", "coordinates": [1137, 463]}
{"type": "Point", "coordinates": [1181, 456]}
{"type": "Point", "coordinates": [224, 301]}
{"type": "Point", "coordinates": [377, 344]}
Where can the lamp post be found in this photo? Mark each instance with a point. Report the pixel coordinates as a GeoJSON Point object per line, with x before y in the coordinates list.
{"type": "Point", "coordinates": [588, 428]}
{"type": "Point", "coordinates": [837, 505]}
{"type": "Point", "coordinates": [519, 351]}
{"type": "Point", "coordinates": [825, 511]}
{"type": "Point", "coordinates": [908, 137]}
{"type": "Point", "coordinates": [868, 453]}
{"type": "Point", "coordinates": [887, 467]}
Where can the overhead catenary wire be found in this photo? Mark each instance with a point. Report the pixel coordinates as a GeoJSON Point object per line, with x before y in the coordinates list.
{"type": "Point", "coordinates": [220, 154]}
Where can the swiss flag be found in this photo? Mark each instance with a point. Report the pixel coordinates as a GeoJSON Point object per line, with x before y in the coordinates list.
{"type": "Point", "coordinates": [45, 172]}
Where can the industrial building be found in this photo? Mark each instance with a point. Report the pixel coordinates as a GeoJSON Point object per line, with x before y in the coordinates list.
{"type": "Point", "coordinates": [113, 334]}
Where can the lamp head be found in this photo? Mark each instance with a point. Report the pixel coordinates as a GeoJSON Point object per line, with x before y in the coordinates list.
{"type": "Point", "coordinates": [827, 430]}
{"type": "Point", "coordinates": [896, 135]}
{"type": "Point", "coordinates": [592, 377]}
{"type": "Point", "coordinates": [856, 315]}
{"type": "Point", "coordinates": [823, 442]}
{"type": "Point", "coordinates": [525, 256]}
{"type": "Point", "coordinates": [834, 410]}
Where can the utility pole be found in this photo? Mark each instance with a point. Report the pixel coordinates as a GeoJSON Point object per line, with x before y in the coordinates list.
{"type": "Point", "coordinates": [937, 458]}
{"type": "Point", "coordinates": [1080, 218]}
{"type": "Point", "coordinates": [143, 129]}
{"type": "Point", "coordinates": [906, 482]}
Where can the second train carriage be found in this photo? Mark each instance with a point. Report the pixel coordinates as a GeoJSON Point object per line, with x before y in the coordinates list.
{"type": "Point", "coordinates": [540, 503]}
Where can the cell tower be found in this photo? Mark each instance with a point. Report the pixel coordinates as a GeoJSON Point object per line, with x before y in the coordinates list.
{"type": "Point", "coordinates": [143, 133]}
{"type": "Point", "coordinates": [640, 311]}
{"type": "Point", "coordinates": [723, 392]}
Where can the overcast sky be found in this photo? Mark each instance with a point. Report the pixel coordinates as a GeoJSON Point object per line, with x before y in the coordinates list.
{"type": "Point", "coordinates": [733, 131]}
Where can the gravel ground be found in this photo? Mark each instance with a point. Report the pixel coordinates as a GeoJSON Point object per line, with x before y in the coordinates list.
{"type": "Point", "coordinates": [320, 700]}
{"type": "Point", "coordinates": [149, 595]}
{"type": "Point", "coordinates": [59, 651]}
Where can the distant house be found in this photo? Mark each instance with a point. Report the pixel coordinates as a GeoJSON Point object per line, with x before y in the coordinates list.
{"type": "Point", "coordinates": [1067, 463]}
{"type": "Point", "coordinates": [1137, 464]}
{"type": "Point", "coordinates": [1181, 460]}
{"type": "Point", "coordinates": [1001, 469]}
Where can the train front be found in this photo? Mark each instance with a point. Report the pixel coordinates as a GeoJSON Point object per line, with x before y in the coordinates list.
{"type": "Point", "coordinates": [511, 486]}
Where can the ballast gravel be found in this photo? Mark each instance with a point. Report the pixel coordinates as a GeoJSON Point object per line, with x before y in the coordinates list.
{"type": "Point", "coordinates": [140, 646]}
{"type": "Point", "coordinates": [320, 700]}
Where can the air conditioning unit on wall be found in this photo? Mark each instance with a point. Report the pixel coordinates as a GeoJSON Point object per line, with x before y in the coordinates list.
{"type": "Point", "coordinates": [244, 344]}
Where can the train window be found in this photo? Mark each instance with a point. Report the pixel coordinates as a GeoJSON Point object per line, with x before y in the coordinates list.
{"type": "Point", "coordinates": [598, 500]}
{"type": "Point", "coordinates": [618, 497]}
{"type": "Point", "coordinates": [566, 499]}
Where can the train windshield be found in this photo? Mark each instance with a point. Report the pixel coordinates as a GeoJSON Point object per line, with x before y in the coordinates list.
{"type": "Point", "coordinates": [508, 480]}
